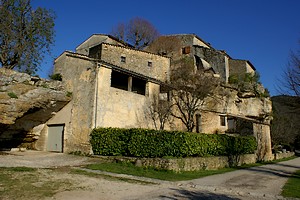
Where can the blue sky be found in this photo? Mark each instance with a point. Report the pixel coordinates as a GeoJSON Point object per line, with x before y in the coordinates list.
{"type": "Point", "coordinates": [262, 31]}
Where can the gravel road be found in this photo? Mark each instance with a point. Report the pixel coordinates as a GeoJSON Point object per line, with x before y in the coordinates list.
{"type": "Point", "coordinates": [41, 159]}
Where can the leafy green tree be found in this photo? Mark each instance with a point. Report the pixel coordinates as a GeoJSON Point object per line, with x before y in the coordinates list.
{"type": "Point", "coordinates": [26, 34]}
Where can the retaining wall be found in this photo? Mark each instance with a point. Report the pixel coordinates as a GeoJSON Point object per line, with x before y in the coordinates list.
{"type": "Point", "coordinates": [184, 164]}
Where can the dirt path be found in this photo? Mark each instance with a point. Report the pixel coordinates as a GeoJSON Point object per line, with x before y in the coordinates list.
{"type": "Point", "coordinates": [263, 182]}
{"type": "Point", "coordinates": [41, 159]}
{"type": "Point", "coordinates": [260, 181]}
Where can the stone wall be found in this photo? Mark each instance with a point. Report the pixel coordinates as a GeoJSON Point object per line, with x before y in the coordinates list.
{"type": "Point", "coordinates": [216, 59]}
{"type": "Point", "coordinates": [282, 155]}
{"type": "Point", "coordinates": [137, 61]}
{"type": "Point", "coordinates": [121, 108]}
{"type": "Point", "coordinates": [78, 75]}
{"type": "Point", "coordinates": [184, 164]}
{"type": "Point", "coordinates": [239, 67]}
{"type": "Point", "coordinates": [95, 103]}
{"type": "Point", "coordinates": [211, 123]}
{"type": "Point", "coordinates": [191, 164]}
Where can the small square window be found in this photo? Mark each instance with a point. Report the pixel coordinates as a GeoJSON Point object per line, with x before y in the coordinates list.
{"type": "Point", "coordinates": [123, 59]}
{"type": "Point", "coordinates": [186, 50]}
{"type": "Point", "coordinates": [149, 64]}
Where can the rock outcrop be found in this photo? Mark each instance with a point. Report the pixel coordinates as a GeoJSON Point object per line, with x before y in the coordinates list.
{"type": "Point", "coordinates": [26, 102]}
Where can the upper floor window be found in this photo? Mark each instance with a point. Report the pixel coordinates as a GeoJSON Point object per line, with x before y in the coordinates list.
{"type": "Point", "coordinates": [119, 80]}
{"type": "Point", "coordinates": [149, 64]}
{"type": "Point", "coordinates": [128, 83]}
{"type": "Point", "coordinates": [123, 59]}
{"type": "Point", "coordinates": [186, 50]}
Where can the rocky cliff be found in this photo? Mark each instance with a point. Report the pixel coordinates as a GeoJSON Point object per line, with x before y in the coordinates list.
{"type": "Point", "coordinates": [26, 102]}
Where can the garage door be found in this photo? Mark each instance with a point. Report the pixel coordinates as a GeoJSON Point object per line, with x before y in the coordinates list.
{"type": "Point", "coordinates": [55, 138]}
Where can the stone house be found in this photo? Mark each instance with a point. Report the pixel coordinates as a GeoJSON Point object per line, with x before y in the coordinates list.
{"type": "Point", "coordinates": [241, 111]}
{"type": "Point", "coordinates": [112, 85]}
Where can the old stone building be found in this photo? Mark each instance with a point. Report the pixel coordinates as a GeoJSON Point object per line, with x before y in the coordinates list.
{"type": "Point", "coordinates": [111, 85]}
{"type": "Point", "coordinates": [114, 85]}
{"type": "Point", "coordinates": [242, 109]}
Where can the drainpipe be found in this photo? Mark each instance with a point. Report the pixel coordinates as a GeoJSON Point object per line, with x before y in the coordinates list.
{"type": "Point", "coordinates": [96, 95]}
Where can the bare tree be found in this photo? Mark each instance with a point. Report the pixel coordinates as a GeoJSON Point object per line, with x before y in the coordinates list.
{"type": "Point", "coordinates": [160, 112]}
{"type": "Point", "coordinates": [286, 108]}
{"type": "Point", "coordinates": [25, 35]}
{"type": "Point", "coordinates": [290, 83]}
{"type": "Point", "coordinates": [119, 31]}
{"type": "Point", "coordinates": [138, 32]}
{"type": "Point", "coordinates": [191, 87]}
{"type": "Point", "coordinates": [164, 45]}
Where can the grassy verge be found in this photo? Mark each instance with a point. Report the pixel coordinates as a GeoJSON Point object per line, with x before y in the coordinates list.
{"type": "Point", "coordinates": [29, 183]}
{"type": "Point", "coordinates": [131, 169]}
{"type": "Point", "coordinates": [291, 188]}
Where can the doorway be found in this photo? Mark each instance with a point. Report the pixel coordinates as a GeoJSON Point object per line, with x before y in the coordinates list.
{"type": "Point", "coordinates": [55, 138]}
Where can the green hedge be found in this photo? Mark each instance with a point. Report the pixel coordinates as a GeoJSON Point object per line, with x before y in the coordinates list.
{"type": "Point", "coordinates": [152, 143]}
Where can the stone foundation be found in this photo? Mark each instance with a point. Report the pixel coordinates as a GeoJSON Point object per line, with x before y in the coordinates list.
{"type": "Point", "coordinates": [184, 164]}
{"type": "Point", "coordinates": [278, 156]}
{"type": "Point", "coordinates": [190, 164]}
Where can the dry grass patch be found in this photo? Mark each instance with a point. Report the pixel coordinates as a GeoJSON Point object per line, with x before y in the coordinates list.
{"type": "Point", "coordinates": [30, 183]}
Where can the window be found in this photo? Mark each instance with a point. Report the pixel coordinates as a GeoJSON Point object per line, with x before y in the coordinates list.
{"type": "Point", "coordinates": [231, 124]}
{"type": "Point", "coordinates": [128, 83]}
{"type": "Point", "coordinates": [95, 52]}
{"type": "Point", "coordinates": [119, 80]}
{"type": "Point", "coordinates": [186, 50]}
{"type": "Point", "coordinates": [164, 93]}
{"type": "Point", "coordinates": [198, 123]}
{"type": "Point", "coordinates": [123, 59]}
{"type": "Point", "coordinates": [138, 86]}
{"type": "Point", "coordinates": [222, 120]}
{"type": "Point", "coordinates": [149, 64]}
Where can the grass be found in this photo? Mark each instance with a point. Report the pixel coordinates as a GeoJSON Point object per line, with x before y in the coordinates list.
{"type": "Point", "coordinates": [291, 188]}
{"type": "Point", "coordinates": [29, 183]}
{"type": "Point", "coordinates": [131, 169]}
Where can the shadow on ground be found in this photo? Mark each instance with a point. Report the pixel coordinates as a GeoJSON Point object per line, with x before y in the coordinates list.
{"type": "Point", "coordinates": [195, 195]}
{"type": "Point", "coordinates": [275, 172]}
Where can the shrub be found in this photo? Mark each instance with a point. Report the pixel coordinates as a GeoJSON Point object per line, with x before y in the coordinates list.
{"type": "Point", "coordinates": [57, 77]}
{"type": "Point", "coordinates": [69, 94]}
{"type": "Point", "coordinates": [12, 95]}
{"type": "Point", "coordinates": [152, 143]}
{"type": "Point", "coordinates": [110, 141]}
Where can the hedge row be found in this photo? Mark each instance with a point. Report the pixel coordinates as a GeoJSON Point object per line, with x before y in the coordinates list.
{"type": "Point", "coordinates": [152, 143]}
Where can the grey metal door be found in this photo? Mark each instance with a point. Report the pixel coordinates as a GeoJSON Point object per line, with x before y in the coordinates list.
{"type": "Point", "coordinates": [55, 138]}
